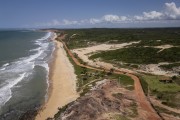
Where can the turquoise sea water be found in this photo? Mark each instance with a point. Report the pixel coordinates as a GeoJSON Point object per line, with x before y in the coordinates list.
{"type": "Point", "coordinates": [24, 58]}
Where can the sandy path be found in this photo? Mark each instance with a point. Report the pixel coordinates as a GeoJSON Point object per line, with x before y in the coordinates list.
{"type": "Point", "coordinates": [84, 53]}
{"type": "Point", "coordinates": [63, 85]}
{"type": "Point", "coordinates": [144, 106]}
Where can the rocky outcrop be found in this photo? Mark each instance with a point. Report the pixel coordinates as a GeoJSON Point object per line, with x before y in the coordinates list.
{"type": "Point", "coordinates": [107, 100]}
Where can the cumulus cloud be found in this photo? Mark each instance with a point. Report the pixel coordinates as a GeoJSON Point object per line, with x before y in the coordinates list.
{"type": "Point", "coordinates": [111, 18]}
{"type": "Point", "coordinates": [94, 20]}
{"type": "Point", "coordinates": [171, 12]}
{"type": "Point", "coordinates": [114, 18]}
{"type": "Point", "coordinates": [56, 22]}
{"type": "Point", "coordinates": [108, 18]}
{"type": "Point", "coordinates": [68, 22]}
{"type": "Point", "coordinates": [153, 15]}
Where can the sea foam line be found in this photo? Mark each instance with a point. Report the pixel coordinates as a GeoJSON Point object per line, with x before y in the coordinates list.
{"type": "Point", "coordinates": [19, 67]}
{"type": "Point", "coordinates": [5, 92]}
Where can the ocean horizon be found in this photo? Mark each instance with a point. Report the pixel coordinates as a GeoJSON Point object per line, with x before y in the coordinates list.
{"type": "Point", "coordinates": [24, 68]}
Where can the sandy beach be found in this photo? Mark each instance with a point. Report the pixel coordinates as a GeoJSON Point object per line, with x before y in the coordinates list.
{"type": "Point", "coordinates": [62, 84]}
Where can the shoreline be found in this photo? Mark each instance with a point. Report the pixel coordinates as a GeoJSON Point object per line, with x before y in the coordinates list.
{"type": "Point", "coordinates": [62, 83]}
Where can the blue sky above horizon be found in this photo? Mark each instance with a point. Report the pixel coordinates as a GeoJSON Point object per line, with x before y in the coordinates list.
{"type": "Point", "coordinates": [89, 13]}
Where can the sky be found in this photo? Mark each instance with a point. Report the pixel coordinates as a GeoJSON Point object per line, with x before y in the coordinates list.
{"type": "Point", "coordinates": [89, 13]}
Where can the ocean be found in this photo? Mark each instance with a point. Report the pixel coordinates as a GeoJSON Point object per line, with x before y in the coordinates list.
{"type": "Point", "coordinates": [24, 67]}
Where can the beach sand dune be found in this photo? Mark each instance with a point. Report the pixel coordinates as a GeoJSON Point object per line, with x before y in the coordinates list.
{"type": "Point", "coordinates": [63, 84]}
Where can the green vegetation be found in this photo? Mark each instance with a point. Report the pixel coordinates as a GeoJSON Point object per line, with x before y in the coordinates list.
{"type": "Point", "coordinates": [168, 93]}
{"type": "Point", "coordinates": [124, 80]}
{"type": "Point", "coordinates": [163, 110]}
{"type": "Point", "coordinates": [60, 110]}
{"type": "Point", "coordinates": [120, 117]}
{"type": "Point", "coordinates": [144, 84]}
{"type": "Point", "coordinates": [157, 86]}
{"type": "Point", "coordinates": [170, 66]}
{"type": "Point", "coordinates": [76, 38]}
{"type": "Point", "coordinates": [87, 77]}
{"type": "Point", "coordinates": [140, 55]}
{"type": "Point", "coordinates": [134, 110]}
{"type": "Point", "coordinates": [84, 75]}
{"type": "Point", "coordinates": [80, 37]}
{"type": "Point", "coordinates": [176, 79]}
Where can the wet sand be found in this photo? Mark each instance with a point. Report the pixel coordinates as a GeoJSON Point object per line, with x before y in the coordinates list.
{"type": "Point", "coordinates": [62, 84]}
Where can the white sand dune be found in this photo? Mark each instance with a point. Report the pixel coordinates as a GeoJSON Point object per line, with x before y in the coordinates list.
{"type": "Point", "coordinates": [84, 53]}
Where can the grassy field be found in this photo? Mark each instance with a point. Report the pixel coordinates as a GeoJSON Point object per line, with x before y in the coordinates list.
{"type": "Point", "coordinates": [120, 117]}
{"type": "Point", "coordinates": [156, 85]}
{"type": "Point", "coordinates": [168, 93]}
{"type": "Point", "coordinates": [124, 80]}
{"type": "Point", "coordinates": [144, 84]}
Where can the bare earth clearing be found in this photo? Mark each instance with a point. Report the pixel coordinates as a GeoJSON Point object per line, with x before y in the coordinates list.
{"type": "Point", "coordinates": [106, 101]}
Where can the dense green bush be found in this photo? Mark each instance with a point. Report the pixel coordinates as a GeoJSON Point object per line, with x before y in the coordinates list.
{"type": "Point", "coordinates": [147, 36]}
{"type": "Point", "coordinates": [140, 55]}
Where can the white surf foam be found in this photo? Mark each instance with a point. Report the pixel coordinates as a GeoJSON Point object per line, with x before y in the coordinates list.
{"type": "Point", "coordinates": [23, 67]}
{"type": "Point", "coordinates": [5, 91]}
{"type": "Point", "coordinates": [5, 65]}
{"type": "Point", "coordinates": [2, 68]}
{"type": "Point", "coordinates": [46, 66]}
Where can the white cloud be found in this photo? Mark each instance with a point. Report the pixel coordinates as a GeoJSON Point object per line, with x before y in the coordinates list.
{"type": "Point", "coordinates": [108, 18]}
{"type": "Point", "coordinates": [95, 21]}
{"type": "Point", "coordinates": [153, 15]}
{"type": "Point", "coordinates": [139, 18]}
{"type": "Point", "coordinates": [114, 18]}
{"type": "Point", "coordinates": [57, 23]}
{"type": "Point", "coordinates": [123, 18]}
{"type": "Point", "coordinates": [68, 22]}
{"type": "Point", "coordinates": [111, 18]}
{"type": "Point", "coordinates": [171, 12]}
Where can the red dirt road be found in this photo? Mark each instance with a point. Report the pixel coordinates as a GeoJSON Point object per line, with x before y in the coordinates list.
{"type": "Point", "coordinates": [144, 107]}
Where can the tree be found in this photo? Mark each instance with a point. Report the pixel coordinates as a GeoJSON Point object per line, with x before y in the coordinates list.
{"type": "Point", "coordinates": [174, 77]}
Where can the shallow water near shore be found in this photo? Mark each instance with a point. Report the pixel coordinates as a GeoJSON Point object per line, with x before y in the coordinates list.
{"type": "Point", "coordinates": [24, 58]}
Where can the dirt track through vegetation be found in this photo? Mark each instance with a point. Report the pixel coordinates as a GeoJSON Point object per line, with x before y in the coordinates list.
{"type": "Point", "coordinates": [145, 108]}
